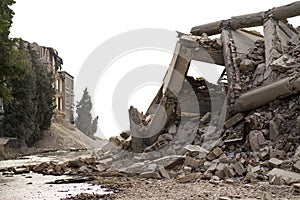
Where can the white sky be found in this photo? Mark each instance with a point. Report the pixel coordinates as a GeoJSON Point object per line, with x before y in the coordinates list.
{"type": "Point", "coordinates": [75, 28]}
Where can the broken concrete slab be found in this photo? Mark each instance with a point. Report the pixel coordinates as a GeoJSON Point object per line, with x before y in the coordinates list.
{"type": "Point", "coordinates": [286, 175]}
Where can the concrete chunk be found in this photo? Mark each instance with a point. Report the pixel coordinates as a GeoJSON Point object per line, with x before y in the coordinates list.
{"type": "Point", "coordinates": [234, 120]}
{"type": "Point", "coordinates": [220, 174]}
{"type": "Point", "coordinates": [277, 180]}
{"type": "Point", "coordinates": [192, 162]}
{"type": "Point", "coordinates": [296, 166]}
{"type": "Point", "coordinates": [274, 130]}
{"type": "Point", "coordinates": [40, 167]}
{"type": "Point", "coordinates": [286, 175]}
{"type": "Point", "coordinates": [255, 169]}
{"type": "Point", "coordinates": [274, 162]}
{"type": "Point", "coordinates": [164, 173]}
{"type": "Point", "coordinates": [21, 170]}
{"type": "Point", "coordinates": [239, 168]}
{"type": "Point", "coordinates": [228, 171]}
{"type": "Point", "coordinates": [247, 65]}
{"type": "Point", "coordinates": [296, 187]}
{"type": "Point", "coordinates": [189, 177]}
{"type": "Point", "coordinates": [206, 165]}
{"type": "Point", "coordinates": [251, 177]}
{"type": "Point", "coordinates": [150, 174]}
{"type": "Point", "coordinates": [212, 167]}
{"type": "Point", "coordinates": [256, 138]}
{"type": "Point", "coordinates": [206, 118]}
{"type": "Point", "coordinates": [216, 152]}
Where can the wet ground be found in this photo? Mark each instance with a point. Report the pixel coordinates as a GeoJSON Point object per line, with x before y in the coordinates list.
{"type": "Point", "coordinates": [35, 186]}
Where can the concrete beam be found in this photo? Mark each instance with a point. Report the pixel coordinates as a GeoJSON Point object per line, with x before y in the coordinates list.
{"type": "Point", "coordinates": [265, 94]}
{"type": "Point", "coordinates": [249, 20]}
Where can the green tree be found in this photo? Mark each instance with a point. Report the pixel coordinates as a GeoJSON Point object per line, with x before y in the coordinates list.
{"type": "Point", "coordinates": [45, 91]}
{"type": "Point", "coordinates": [30, 111]}
{"type": "Point", "coordinates": [10, 68]}
{"type": "Point", "coordinates": [20, 113]}
{"type": "Point", "coordinates": [94, 125]}
{"type": "Point", "coordinates": [84, 120]}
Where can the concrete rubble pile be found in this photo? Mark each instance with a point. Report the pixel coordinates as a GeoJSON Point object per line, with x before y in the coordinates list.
{"type": "Point", "coordinates": [245, 127]}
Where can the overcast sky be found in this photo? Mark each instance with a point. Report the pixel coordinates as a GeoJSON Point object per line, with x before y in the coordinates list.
{"type": "Point", "coordinates": [75, 28]}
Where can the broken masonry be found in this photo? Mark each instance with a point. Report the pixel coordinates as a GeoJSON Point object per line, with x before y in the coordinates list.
{"type": "Point", "coordinates": [246, 125]}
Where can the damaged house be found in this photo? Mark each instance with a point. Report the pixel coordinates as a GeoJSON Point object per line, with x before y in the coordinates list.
{"type": "Point", "coordinates": [248, 121]}
{"type": "Point", "coordinates": [64, 82]}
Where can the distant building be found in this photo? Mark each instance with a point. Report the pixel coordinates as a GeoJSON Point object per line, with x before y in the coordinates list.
{"type": "Point", "coordinates": [64, 96]}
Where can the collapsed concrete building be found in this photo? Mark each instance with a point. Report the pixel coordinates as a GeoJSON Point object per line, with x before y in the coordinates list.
{"type": "Point", "coordinates": [249, 121]}
{"type": "Point", "coordinates": [259, 69]}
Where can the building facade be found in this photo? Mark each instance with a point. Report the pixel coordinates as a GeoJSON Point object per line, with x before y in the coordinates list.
{"type": "Point", "coordinates": [64, 97]}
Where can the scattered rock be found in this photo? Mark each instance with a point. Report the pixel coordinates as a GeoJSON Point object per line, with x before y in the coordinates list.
{"type": "Point", "coordinates": [189, 177]}
{"type": "Point", "coordinates": [150, 174]}
{"type": "Point", "coordinates": [274, 162]}
{"type": "Point", "coordinates": [216, 152]}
